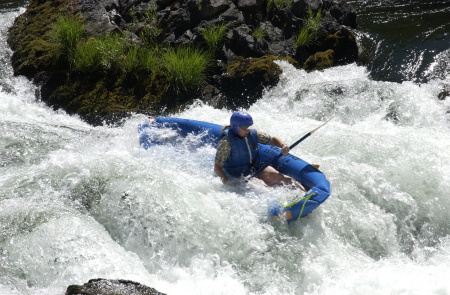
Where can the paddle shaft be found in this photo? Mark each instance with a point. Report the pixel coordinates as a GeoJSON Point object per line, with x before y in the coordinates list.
{"type": "Point", "coordinates": [291, 147]}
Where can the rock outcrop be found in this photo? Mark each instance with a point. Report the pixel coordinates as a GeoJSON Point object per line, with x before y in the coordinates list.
{"type": "Point", "coordinates": [111, 287]}
{"type": "Point", "coordinates": [257, 32]}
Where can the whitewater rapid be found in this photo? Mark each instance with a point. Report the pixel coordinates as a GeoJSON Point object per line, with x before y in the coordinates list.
{"type": "Point", "coordinates": [79, 202]}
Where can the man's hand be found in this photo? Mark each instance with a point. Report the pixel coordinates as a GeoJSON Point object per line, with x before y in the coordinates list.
{"type": "Point", "coordinates": [279, 143]}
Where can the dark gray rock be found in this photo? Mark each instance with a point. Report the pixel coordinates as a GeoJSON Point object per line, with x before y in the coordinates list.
{"type": "Point", "coordinates": [300, 6]}
{"type": "Point", "coordinates": [111, 287]}
{"type": "Point", "coordinates": [211, 9]}
{"type": "Point", "coordinates": [277, 43]}
{"type": "Point", "coordinates": [102, 15]}
{"type": "Point", "coordinates": [341, 11]}
{"type": "Point", "coordinates": [445, 92]}
{"type": "Point", "coordinates": [249, 6]}
{"type": "Point", "coordinates": [180, 20]}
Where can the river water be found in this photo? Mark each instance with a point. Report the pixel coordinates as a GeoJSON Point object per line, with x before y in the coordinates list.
{"type": "Point", "coordinates": [79, 202]}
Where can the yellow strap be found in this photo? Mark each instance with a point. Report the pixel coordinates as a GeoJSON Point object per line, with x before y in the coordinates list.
{"type": "Point", "coordinates": [304, 203]}
{"type": "Point", "coordinates": [295, 201]}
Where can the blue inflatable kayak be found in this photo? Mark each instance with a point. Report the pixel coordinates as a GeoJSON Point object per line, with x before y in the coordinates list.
{"type": "Point", "coordinates": [313, 180]}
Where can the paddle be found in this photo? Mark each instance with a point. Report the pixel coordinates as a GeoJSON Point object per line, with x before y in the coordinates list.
{"type": "Point", "coordinates": [291, 147]}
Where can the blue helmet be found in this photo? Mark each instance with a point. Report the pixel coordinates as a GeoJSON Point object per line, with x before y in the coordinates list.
{"type": "Point", "coordinates": [240, 119]}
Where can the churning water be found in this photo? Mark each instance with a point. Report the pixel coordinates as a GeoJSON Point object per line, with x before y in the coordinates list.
{"type": "Point", "coordinates": [78, 202]}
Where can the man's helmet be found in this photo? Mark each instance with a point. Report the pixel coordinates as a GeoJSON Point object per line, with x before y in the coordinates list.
{"type": "Point", "coordinates": [240, 119]}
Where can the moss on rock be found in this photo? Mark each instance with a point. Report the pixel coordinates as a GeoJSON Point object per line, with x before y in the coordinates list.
{"type": "Point", "coordinates": [31, 40]}
{"type": "Point", "coordinates": [320, 60]}
{"type": "Point", "coordinates": [100, 98]}
{"type": "Point", "coordinates": [344, 45]}
{"type": "Point", "coordinates": [246, 79]}
{"type": "Point", "coordinates": [255, 68]}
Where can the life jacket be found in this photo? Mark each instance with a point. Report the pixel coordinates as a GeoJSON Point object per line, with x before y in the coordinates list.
{"type": "Point", "coordinates": [244, 153]}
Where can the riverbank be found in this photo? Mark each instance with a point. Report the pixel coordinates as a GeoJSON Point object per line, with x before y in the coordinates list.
{"type": "Point", "coordinates": [241, 61]}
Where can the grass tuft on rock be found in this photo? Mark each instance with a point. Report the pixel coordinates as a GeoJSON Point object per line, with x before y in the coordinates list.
{"type": "Point", "coordinates": [214, 36]}
{"type": "Point", "coordinates": [311, 25]}
{"type": "Point", "coordinates": [185, 67]}
{"type": "Point", "coordinates": [68, 31]}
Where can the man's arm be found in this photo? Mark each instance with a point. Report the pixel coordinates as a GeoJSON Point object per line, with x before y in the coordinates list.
{"type": "Point", "coordinates": [279, 143]}
{"type": "Point", "coordinates": [272, 140]}
{"type": "Point", "coordinates": [222, 154]}
{"type": "Point", "coordinates": [219, 171]}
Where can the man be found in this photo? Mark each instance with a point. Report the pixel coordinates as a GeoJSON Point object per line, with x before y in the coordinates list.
{"type": "Point", "coordinates": [237, 152]}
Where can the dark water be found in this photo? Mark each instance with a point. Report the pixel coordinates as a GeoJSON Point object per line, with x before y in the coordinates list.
{"type": "Point", "coordinates": [407, 40]}
{"type": "Point", "coordinates": [10, 4]}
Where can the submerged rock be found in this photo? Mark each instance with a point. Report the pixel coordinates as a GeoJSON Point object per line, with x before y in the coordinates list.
{"type": "Point", "coordinates": [445, 92]}
{"type": "Point", "coordinates": [111, 287]}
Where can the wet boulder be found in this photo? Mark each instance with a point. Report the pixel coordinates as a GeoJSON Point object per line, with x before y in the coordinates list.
{"type": "Point", "coordinates": [111, 287]}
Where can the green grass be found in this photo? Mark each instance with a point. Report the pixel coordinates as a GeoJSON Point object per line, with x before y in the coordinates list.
{"type": "Point", "coordinates": [68, 31]}
{"type": "Point", "coordinates": [112, 48]}
{"type": "Point", "coordinates": [142, 59]}
{"type": "Point", "coordinates": [259, 33]}
{"type": "Point", "coordinates": [314, 20]}
{"type": "Point", "coordinates": [151, 29]}
{"type": "Point", "coordinates": [133, 59]}
{"type": "Point", "coordinates": [185, 67]}
{"type": "Point", "coordinates": [87, 57]}
{"type": "Point", "coordinates": [111, 52]}
{"type": "Point", "coordinates": [279, 4]}
{"type": "Point", "coordinates": [151, 60]}
{"type": "Point", "coordinates": [102, 53]}
{"type": "Point", "coordinates": [305, 37]}
{"type": "Point", "coordinates": [311, 26]}
{"type": "Point", "coordinates": [213, 36]}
